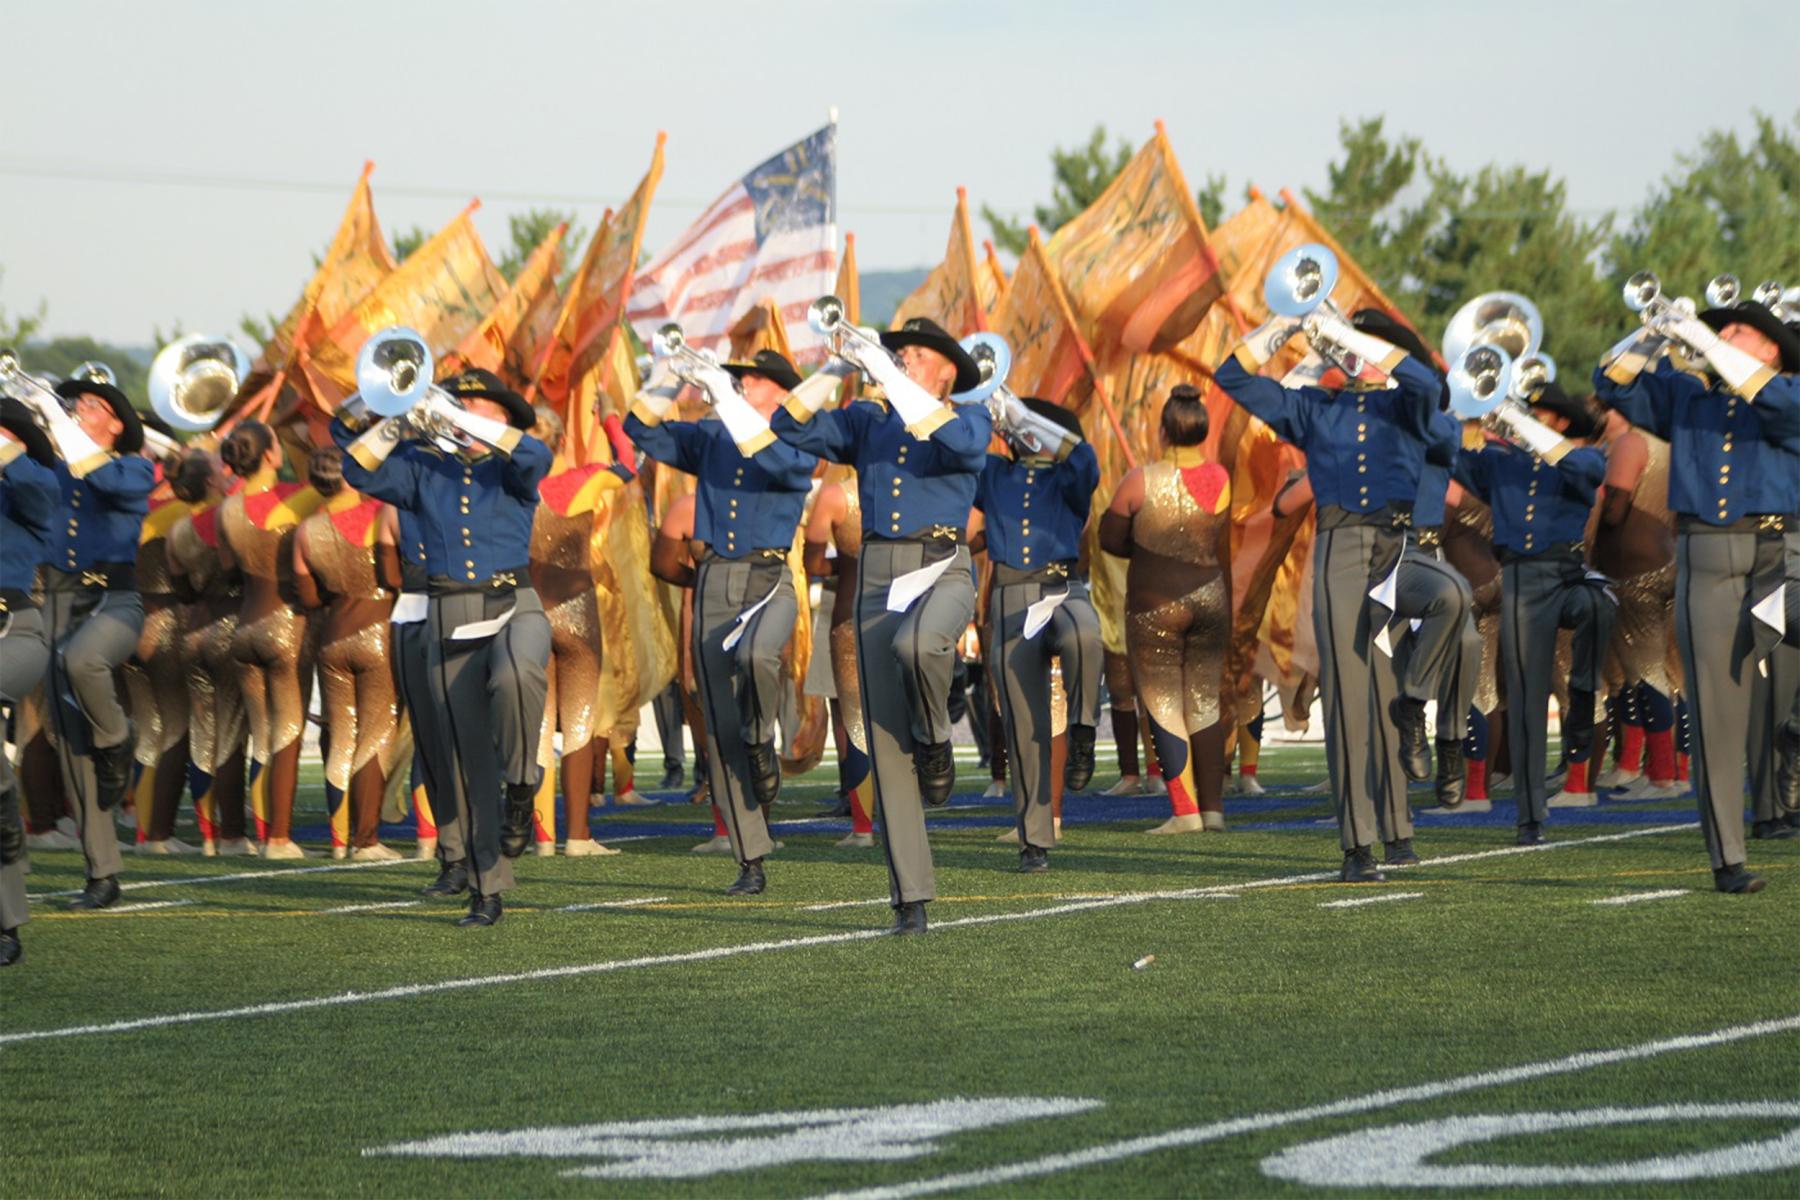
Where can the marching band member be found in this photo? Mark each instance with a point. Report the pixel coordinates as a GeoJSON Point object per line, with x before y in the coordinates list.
{"type": "Point", "coordinates": [836, 525]}
{"type": "Point", "coordinates": [1364, 441]}
{"type": "Point", "coordinates": [29, 500]}
{"type": "Point", "coordinates": [748, 503]}
{"type": "Point", "coordinates": [1039, 608]}
{"type": "Point", "coordinates": [1468, 547]}
{"type": "Point", "coordinates": [488, 639]}
{"type": "Point", "coordinates": [1541, 498]}
{"type": "Point", "coordinates": [1170, 519]}
{"type": "Point", "coordinates": [341, 563]}
{"type": "Point", "coordinates": [92, 610]}
{"type": "Point", "coordinates": [1734, 486]}
{"type": "Point", "coordinates": [217, 724]}
{"type": "Point", "coordinates": [562, 571]}
{"type": "Point", "coordinates": [271, 645]}
{"type": "Point", "coordinates": [917, 461]}
{"type": "Point", "coordinates": [672, 559]}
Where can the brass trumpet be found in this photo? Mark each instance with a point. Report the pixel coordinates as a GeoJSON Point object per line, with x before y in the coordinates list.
{"type": "Point", "coordinates": [393, 379]}
{"type": "Point", "coordinates": [825, 316]}
{"type": "Point", "coordinates": [33, 391]}
{"type": "Point", "coordinates": [670, 344]}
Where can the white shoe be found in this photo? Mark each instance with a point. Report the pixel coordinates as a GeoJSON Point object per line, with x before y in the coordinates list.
{"type": "Point", "coordinates": [587, 848]}
{"type": "Point", "coordinates": [1644, 789]}
{"type": "Point", "coordinates": [1185, 823]}
{"type": "Point", "coordinates": [1248, 786]}
{"type": "Point", "coordinates": [855, 841]}
{"type": "Point", "coordinates": [340, 853]}
{"type": "Point", "coordinates": [126, 819]}
{"type": "Point", "coordinates": [997, 790]}
{"type": "Point", "coordinates": [286, 849]}
{"type": "Point", "coordinates": [544, 849]}
{"type": "Point", "coordinates": [209, 848]}
{"type": "Point", "coordinates": [1128, 785]}
{"type": "Point", "coordinates": [171, 846]}
{"type": "Point", "coordinates": [376, 853]}
{"type": "Point", "coordinates": [1618, 777]}
{"type": "Point", "coordinates": [1476, 807]}
{"type": "Point", "coordinates": [1319, 788]}
{"type": "Point", "coordinates": [632, 797]}
{"type": "Point", "coordinates": [1213, 822]}
{"type": "Point", "coordinates": [1155, 785]}
{"type": "Point", "coordinates": [1010, 835]}
{"type": "Point", "coordinates": [1568, 799]}
{"type": "Point", "coordinates": [717, 845]}
{"type": "Point", "coordinates": [239, 848]}
{"type": "Point", "coordinates": [426, 849]}
{"type": "Point", "coordinates": [51, 839]}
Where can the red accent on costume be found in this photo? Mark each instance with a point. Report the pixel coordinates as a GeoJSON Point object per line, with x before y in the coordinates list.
{"type": "Point", "coordinates": [1206, 483]}
{"type": "Point", "coordinates": [353, 523]}
{"type": "Point", "coordinates": [1477, 777]}
{"type": "Point", "coordinates": [1576, 782]}
{"type": "Point", "coordinates": [260, 506]}
{"type": "Point", "coordinates": [1662, 757]}
{"type": "Point", "coordinates": [206, 526]}
{"type": "Point", "coordinates": [560, 490]}
{"type": "Point", "coordinates": [1631, 749]}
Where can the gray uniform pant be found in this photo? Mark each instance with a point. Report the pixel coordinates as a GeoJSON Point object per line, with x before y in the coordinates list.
{"type": "Point", "coordinates": [1538, 596]}
{"type": "Point", "coordinates": [490, 692]}
{"type": "Point", "coordinates": [412, 679]}
{"type": "Point", "coordinates": [741, 688]}
{"type": "Point", "coordinates": [1356, 684]}
{"type": "Point", "coordinates": [23, 657]}
{"type": "Point", "coordinates": [1022, 679]}
{"type": "Point", "coordinates": [1775, 698]}
{"type": "Point", "coordinates": [667, 710]}
{"type": "Point", "coordinates": [91, 633]}
{"type": "Point", "coordinates": [1712, 632]}
{"type": "Point", "coordinates": [1441, 659]}
{"type": "Point", "coordinates": [918, 647]}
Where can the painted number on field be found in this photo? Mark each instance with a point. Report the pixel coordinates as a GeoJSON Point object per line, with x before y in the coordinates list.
{"type": "Point", "coordinates": [1393, 1156]}
{"type": "Point", "coordinates": [686, 1147]}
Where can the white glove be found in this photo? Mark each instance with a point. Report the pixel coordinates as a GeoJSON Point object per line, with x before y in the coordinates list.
{"type": "Point", "coordinates": [747, 427]}
{"type": "Point", "coordinates": [716, 382]}
{"type": "Point", "coordinates": [1333, 329]}
{"type": "Point", "coordinates": [497, 434]}
{"type": "Point", "coordinates": [80, 451]}
{"type": "Point", "coordinates": [1263, 342]}
{"type": "Point", "coordinates": [1741, 372]}
{"type": "Point", "coordinates": [1533, 434]}
{"type": "Point", "coordinates": [821, 387]}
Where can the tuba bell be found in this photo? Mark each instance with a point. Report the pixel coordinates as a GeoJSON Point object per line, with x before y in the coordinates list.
{"type": "Point", "coordinates": [1504, 319]}
{"type": "Point", "coordinates": [194, 379]}
{"type": "Point", "coordinates": [393, 379]}
{"type": "Point", "coordinates": [1301, 280]}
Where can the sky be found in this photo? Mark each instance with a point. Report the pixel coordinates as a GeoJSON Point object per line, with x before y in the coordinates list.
{"type": "Point", "coordinates": [181, 161]}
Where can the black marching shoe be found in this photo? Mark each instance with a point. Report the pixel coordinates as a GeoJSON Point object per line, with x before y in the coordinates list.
{"type": "Point", "coordinates": [1078, 772]}
{"type": "Point", "coordinates": [1531, 833]}
{"type": "Point", "coordinates": [1787, 767]}
{"type": "Point", "coordinates": [750, 880]}
{"type": "Point", "coordinates": [937, 772]}
{"type": "Point", "coordinates": [1400, 852]}
{"type": "Point", "coordinates": [1773, 829]}
{"type": "Point", "coordinates": [1034, 860]}
{"type": "Point", "coordinates": [1452, 776]}
{"type": "Point", "coordinates": [112, 772]}
{"type": "Point", "coordinates": [483, 911]}
{"type": "Point", "coordinates": [452, 880]}
{"type": "Point", "coordinates": [1736, 881]}
{"type": "Point", "coordinates": [672, 779]}
{"type": "Point", "coordinates": [99, 893]}
{"type": "Point", "coordinates": [515, 827]}
{"type": "Point", "coordinates": [765, 773]}
{"type": "Point", "coordinates": [908, 918]}
{"type": "Point", "coordinates": [1359, 867]}
{"type": "Point", "coordinates": [1415, 745]}
{"type": "Point", "coordinates": [10, 949]}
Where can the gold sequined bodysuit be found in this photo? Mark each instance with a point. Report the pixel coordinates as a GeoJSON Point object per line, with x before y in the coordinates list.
{"type": "Point", "coordinates": [216, 720]}
{"type": "Point", "coordinates": [155, 677]}
{"type": "Point", "coordinates": [1639, 555]}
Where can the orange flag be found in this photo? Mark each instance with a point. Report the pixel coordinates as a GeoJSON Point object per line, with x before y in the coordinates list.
{"type": "Point", "coordinates": [959, 294]}
{"type": "Point", "coordinates": [505, 340]}
{"type": "Point", "coordinates": [443, 290]}
{"type": "Point", "coordinates": [1137, 263]}
{"type": "Point", "coordinates": [597, 294]}
{"type": "Point", "coordinates": [997, 272]}
{"type": "Point", "coordinates": [760, 328]}
{"type": "Point", "coordinates": [848, 288]}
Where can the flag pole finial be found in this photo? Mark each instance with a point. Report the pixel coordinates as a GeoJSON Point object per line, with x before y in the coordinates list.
{"type": "Point", "coordinates": [832, 114]}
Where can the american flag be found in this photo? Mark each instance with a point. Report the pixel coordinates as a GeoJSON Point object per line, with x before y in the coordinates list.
{"type": "Point", "coordinates": [773, 233]}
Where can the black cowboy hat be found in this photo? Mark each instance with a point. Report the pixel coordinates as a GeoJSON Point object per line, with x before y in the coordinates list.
{"type": "Point", "coordinates": [1584, 421]}
{"type": "Point", "coordinates": [770, 366]}
{"type": "Point", "coordinates": [923, 331]}
{"type": "Point", "coordinates": [131, 438]}
{"type": "Point", "coordinates": [477, 383]}
{"type": "Point", "coordinates": [1749, 312]}
{"type": "Point", "coordinates": [1054, 412]}
{"type": "Point", "coordinates": [17, 420]}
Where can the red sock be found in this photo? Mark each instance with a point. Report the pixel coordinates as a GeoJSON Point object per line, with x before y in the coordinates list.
{"type": "Point", "coordinates": [719, 829]}
{"type": "Point", "coordinates": [1180, 800]}
{"type": "Point", "coordinates": [1662, 756]}
{"type": "Point", "coordinates": [860, 821]}
{"type": "Point", "coordinates": [1576, 782]}
{"type": "Point", "coordinates": [1631, 749]}
{"type": "Point", "coordinates": [1246, 770]}
{"type": "Point", "coordinates": [1476, 769]}
{"type": "Point", "coordinates": [1681, 768]}
{"type": "Point", "coordinates": [1155, 771]}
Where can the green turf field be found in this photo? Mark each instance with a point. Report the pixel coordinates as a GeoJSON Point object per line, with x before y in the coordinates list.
{"type": "Point", "coordinates": [136, 1060]}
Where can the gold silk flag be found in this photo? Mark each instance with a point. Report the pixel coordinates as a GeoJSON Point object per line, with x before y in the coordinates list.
{"type": "Point", "coordinates": [443, 290]}
{"type": "Point", "coordinates": [1049, 356]}
{"type": "Point", "coordinates": [597, 295]}
{"type": "Point", "coordinates": [996, 272]}
{"type": "Point", "coordinates": [1137, 264]}
{"type": "Point", "coordinates": [505, 340]}
{"type": "Point", "coordinates": [960, 293]}
{"type": "Point", "coordinates": [848, 288]}
{"type": "Point", "coordinates": [760, 328]}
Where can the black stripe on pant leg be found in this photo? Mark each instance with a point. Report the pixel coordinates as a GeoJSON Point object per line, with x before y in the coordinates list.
{"type": "Point", "coordinates": [862, 678]}
{"type": "Point", "coordinates": [918, 616]}
{"type": "Point", "coordinates": [1699, 776]}
{"type": "Point", "coordinates": [717, 756]}
{"type": "Point", "coordinates": [1009, 727]}
{"type": "Point", "coordinates": [518, 690]}
{"type": "Point", "coordinates": [1530, 719]}
{"type": "Point", "coordinates": [1346, 803]}
{"type": "Point", "coordinates": [464, 801]}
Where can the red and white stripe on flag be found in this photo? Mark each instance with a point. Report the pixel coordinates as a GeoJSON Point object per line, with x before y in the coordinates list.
{"type": "Point", "coordinates": [772, 234]}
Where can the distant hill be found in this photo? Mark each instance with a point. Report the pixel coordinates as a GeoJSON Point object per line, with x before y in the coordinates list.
{"type": "Point", "coordinates": [882, 292]}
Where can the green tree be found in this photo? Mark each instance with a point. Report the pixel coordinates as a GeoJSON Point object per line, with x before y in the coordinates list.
{"type": "Point", "coordinates": [1079, 174]}
{"type": "Point", "coordinates": [409, 239]}
{"type": "Point", "coordinates": [1361, 205]}
{"type": "Point", "coordinates": [61, 355]}
{"type": "Point", "coordinates": [529, 228]}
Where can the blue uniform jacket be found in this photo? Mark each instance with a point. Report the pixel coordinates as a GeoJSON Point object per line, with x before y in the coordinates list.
{"type": "Point", "coordinates": [741, 504]}
{"type": "Point", "coordinates": [1024, 534]}
{"type": "Point", "coordinates": [1536, 506]}
{"type": "Point", "coordinates": [100, 515]}
{"type": "Point", "coordinates": [29, 498]}
{"type": "Point", "coordinates": [1445, 438]}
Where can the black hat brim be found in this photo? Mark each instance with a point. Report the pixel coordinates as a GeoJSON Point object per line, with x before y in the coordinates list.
{"type": "Point", "coordinates": [17, 420]}
{"type": "Point", "coordinates": [1764, 322]}
{"type": "Point", "coordinates": [518, 412]}
{"type": "Point", "coordinates": [782, 375]}
{"type": "Point", "coordinates": [131, 438]}
{"type": "Point", "coordinates": [968, 375]}
{"type": "Point", "coordinates": [1054, 413]}
{"type": "Point", "coordinates": [1584, 421]}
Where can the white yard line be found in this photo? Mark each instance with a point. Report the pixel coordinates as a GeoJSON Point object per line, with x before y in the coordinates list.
{"type": "Point", "coordinates": [1213, 1131]}
{"type": "Point", "coordinates": [376, 907]}
{"type": "Point", "coordinates": [613, 904]}
{"type": "Point", "coordinates": [1638, 897]}
{"type": "Point", "coordinates": [236, 876]}
{"type": "Point", "coordinates": [146, 906]}
{"type": "Point", "coordinates": [713, 953]}
{"type": "Point", "coordinates": [845, 904]}
{"type": "Point", "coordinates": [1381, 899]}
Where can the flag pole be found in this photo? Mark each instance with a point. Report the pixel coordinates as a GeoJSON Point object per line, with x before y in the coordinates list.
{"type": "Point", "coordinates": [1081, 347]}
